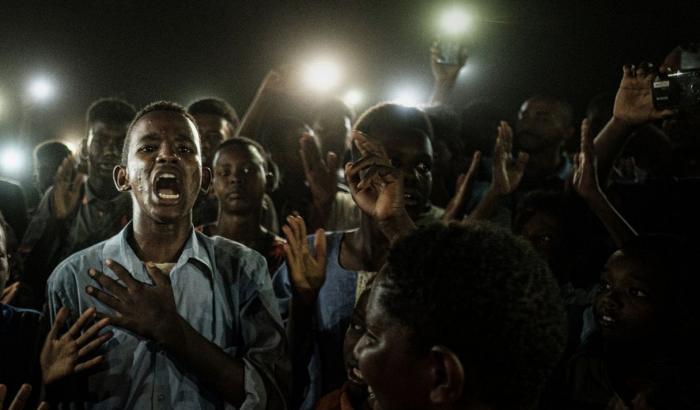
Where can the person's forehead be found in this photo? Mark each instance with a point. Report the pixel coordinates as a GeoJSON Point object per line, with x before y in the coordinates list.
{"type": "Point", "coordinates": [408, 143]}
{"type": "Point", "coordinates": [236, 153]}
{"type": "Point", "coordinates": [164, 123]}
{"type": "Point", "coordinates": [108, 129]}
{"type": "Point", "coordinates": [624, 266]}
{"type": "Point", "coordinates": [209, 120]}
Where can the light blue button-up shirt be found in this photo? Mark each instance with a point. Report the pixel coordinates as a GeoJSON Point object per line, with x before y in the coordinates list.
{"type": "Point", "coordinates": [224, 292]}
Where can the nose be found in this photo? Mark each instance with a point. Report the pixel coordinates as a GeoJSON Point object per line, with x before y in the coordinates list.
{"type": "Point", "coordinates": [166, 154]}
{"type": "Point", "coordinates": [359, 347]}
{"type": "Point", "coordinates": [611, 299]}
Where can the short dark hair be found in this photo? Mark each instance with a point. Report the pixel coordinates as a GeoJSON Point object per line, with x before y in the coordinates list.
{"type": "Point", "coordinates": [388, 118]}
{"type": "Point", "coordinates": [566, 112]}
{"type": "Point", "coordinates": [333, 106]}
{"type": "Point", "coordinates": [51, 150]}
{"type": "Point", "coordinates": [110, 110]}
{"type": "Point", "coordinates": [270, 166]}
{"type": "Point", "coordinates": [152, 107]}
{"type": "Point", "coordinates": [215, 106]}
{"type": "Point", "coordinates": [487, 296]}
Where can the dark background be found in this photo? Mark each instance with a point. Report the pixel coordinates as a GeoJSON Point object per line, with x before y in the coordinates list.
{"type": "Point", "coordinates": [181, 50]}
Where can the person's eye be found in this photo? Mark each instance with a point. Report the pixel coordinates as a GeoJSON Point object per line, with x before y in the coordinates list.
{"type": "Point", "coordinates": [423, 168]}
{"type": "Point", "coordinates": [357, 327]}
{"type": "Point", "coordinates": [247, 170]}
{"type": "Point", "coordinates": [223, 172]}
{"type": "Point", "coordinates": [395, 162]}
{"type": "Point", "coordinates": [185, 149]}
{"type": "Point", "coordinates": [605, 285]}
{"type": "Point", "coordinates": [147, 148]}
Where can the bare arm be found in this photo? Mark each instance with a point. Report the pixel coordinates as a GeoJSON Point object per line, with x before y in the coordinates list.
{"type": "Point", "coordinates": [633, 107]}
{"type": "Point", "coordinates": [585, 182]}
{"type": "Point", "coordinates": [253, 117]}
{"type": "Point", "coordinates": [445, 75]}
{"type": "Point", "coordinates": [506, 175]}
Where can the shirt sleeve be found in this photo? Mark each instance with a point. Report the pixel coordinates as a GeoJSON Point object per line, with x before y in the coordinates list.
{"type": "Point", "coordinates": [267, 365]}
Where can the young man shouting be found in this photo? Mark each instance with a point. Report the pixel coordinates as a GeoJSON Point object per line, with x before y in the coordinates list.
{"type": "Point", "coordinates": [195, 321]}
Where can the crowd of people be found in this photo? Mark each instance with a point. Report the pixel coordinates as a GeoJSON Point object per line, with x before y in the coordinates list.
{"type": "Point", "coordinates": [303, 257]}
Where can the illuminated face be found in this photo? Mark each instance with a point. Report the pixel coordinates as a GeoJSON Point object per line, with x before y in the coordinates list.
{"type": "Point", "coordinates": [412, 153]}
{"type": "Point", "coordinates": [625, 307]}
{"type": "Point", "coordinates": [389, 364]}
{"type": "Point", "coordinates": [164, 168]}
{"type": "Point", "coordinates": [105, 142]}
{"type": "Point", "coordinates": [540, 126]}
{"type": "Point", "coordinates": [213, 130]}
{"type": "Point", "coordinates": [239, 179]}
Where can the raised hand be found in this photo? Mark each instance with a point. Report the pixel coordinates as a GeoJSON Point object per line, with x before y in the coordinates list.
{"type": "Point", "coordinates": [65, 196]}
{"type": "Point", "coordinates": [455, 208]}
{"type": "Point", "coordinates": [633, 101]}
{"type": "Point", "coordinates": [320, 174]}
{"type": "Point", "coordinates": [65, 355]}
{"type": "Point", "coordinates": [584, 177]}
{"type": "Point", "coordinates": [147, 310]}
{"type": "Point", "coordinates": [446, 72]}
{"type": "Point", "coordinates": [307, 272]}
{"type": "Point", "coordinates": [20, 400]}
{"type": "Point", "coordinates": [375, 184]}
{"type": "Point", "coordinates": [507, 172]}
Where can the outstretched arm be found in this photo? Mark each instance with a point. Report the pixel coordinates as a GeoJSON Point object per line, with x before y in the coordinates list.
{"type": "Point", "coordinates": [445, 75]}
{"type": "Point", "coordinates": [633, 107]}
{"type": "Point", "coordinates": [585, 182]}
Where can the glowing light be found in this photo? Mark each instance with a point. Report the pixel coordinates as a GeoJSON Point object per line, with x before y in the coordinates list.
{"type": "Point", "coordinates": [12, 160]}
{"type": "Point", "coordinates": [41, 89]}
{"type": "Point", "coordinates": [353, 98]}
{"type": "Point", "coordinates": [72, 145]}
{"type": "Point", "coordinates": [456, 21]}
{"type": "Point", "coordinates": [322, 75]}
{"type": "Point", "coordinates": [408, 97]}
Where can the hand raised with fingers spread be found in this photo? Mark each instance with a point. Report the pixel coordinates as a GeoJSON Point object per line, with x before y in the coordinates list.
{"type": "Point", "coordinates": [507, 173]}
{"type": "Point", "coordinates": [455, 208]}
{"type": "Point", "coordinates": [20, 400]}
{"type": "Point", "coordinates": [320, 174]}
{"type": "Point", "coordinates": [375, 184]}
{"type": "Point", "coordinates": [147, 310]}
{"type": "Point", "coordinates": [65, 196]}
{"type": "Point", "coordinates": [633, 101]}
{"type": "Point", "coordinates": [307, 272]}
{"type": "Point", "coordinates": [64, 355]}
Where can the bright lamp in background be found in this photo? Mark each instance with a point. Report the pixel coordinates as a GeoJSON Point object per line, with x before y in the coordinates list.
{"type": "Point", "coordinates": [456, 21]}
{"type": "Point", "coordinates": [41, 89]}
{"type": "Point", "coordinates": [12, 160]}
{"type": "Point", "coordinates": [322, 75]}
{"type": "Point", "coordinates": [407, 96]}
{"type": "Point", "coordinates": [353, 98]}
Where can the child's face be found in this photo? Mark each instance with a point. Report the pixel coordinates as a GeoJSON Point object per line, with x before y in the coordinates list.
{"type": "Point", "coordinates": [4, 265]}
{"type": "Point", "coordinates": [239, 179]}
{"type": "Point", "coordinates": [412, 153]}
{"type": "Point", "coordinates": [627, 305]}
{"type": "Point", "coordinates": [355, 331]}
{"type": "Point", "coordinates": [544, 232]}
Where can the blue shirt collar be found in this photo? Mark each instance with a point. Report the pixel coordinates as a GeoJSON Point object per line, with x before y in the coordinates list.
{"type": "Point", "coordinates": [118, 249]}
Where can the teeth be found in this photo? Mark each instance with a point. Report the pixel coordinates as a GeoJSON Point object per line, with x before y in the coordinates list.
{"type": "Point", "coordinates": [168, 196]}
{"type": "Point", "coordinates": [608, 319]}
{"type": "Point", "coordinates": [168, 175]}
{"type": "Point", "coordinates": [357, 372]}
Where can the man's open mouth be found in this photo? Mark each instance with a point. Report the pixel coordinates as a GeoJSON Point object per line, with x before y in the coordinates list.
{"type": "Point", "coordinates": [167, 186]}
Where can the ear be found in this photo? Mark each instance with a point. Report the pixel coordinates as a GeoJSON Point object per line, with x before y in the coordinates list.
{"type": "Point", "coordinates": [449, 377]}
{"type": "Point", "coordinates": [206, 180]}
{"type": "Point", "coordinates": [121, 178]}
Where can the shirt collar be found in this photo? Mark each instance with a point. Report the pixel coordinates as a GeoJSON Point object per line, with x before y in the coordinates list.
{"type": "Point", "coordinates": [119, 249]}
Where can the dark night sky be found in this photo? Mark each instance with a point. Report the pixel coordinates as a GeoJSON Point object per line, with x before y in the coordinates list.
{"type": "Point", "coordinates": [181, 50]}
